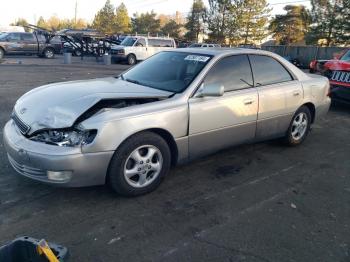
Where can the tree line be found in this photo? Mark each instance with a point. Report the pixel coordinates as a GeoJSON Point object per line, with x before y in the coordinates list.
{"type": "Point", "coordinates": [226, 22]}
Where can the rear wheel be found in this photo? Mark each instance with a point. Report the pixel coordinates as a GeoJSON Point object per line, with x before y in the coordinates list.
{"type": "Point", "coordinates": [139, 165]}
{"type": "Point", "coordinates": [49, 53]}
{"type": "Point", "coordinates": [299, 127]}
{"type": "Point", "coordinates": [131, 59]}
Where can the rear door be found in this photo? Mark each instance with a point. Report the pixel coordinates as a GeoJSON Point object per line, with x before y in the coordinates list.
{"type": "Point", "coordinates": [30, 44]}
{"type": "Point", "coordinates": [219, 122]}
{"type": "Point", "coordinates": [280, 95]}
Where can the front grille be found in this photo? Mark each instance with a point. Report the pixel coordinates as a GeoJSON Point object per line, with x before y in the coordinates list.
{"type": "Point", "coordinates": [341, 76]}
{"type": "Point", "coordinates": [23, 127]}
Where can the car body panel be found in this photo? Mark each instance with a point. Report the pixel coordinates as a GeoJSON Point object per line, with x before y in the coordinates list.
{"type": "Point", "coordinates": [74, 98]}
{"type": "Point", "coordinates": [197, 125]}
{"type": "Point", "coordinates": [232, 120]}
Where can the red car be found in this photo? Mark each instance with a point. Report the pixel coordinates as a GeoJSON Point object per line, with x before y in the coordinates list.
{"type": "Point", "coordinates": [338, 73]}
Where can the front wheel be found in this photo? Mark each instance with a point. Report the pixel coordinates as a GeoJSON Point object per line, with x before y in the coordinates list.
{"type": "Point", "coordinates": [49, 53]}
{"type": "Point", "coordinates": [139, 165]}
{"type": "Point", "coordinates": [299, 127]}
{"type": "Point", "coordinates": [131, 59]}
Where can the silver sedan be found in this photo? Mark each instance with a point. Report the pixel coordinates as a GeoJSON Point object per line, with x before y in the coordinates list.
{"type": "Point", "coordinates": [174, 107]}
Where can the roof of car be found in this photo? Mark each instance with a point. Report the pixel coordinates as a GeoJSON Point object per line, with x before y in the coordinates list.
{"type": "Point", "coordinates": [215, 51]}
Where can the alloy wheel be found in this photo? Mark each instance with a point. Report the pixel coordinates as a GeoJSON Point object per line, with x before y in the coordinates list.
{"type": "Point", "coordinates": [143, 166]}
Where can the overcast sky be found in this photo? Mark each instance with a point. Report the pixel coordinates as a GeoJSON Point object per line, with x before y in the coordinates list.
{"type": "Point", "coordinates": [33, 9]}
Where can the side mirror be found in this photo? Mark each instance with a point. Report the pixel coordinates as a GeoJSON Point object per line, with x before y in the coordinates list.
{"type": "Point", "coordinates": [211, 90]}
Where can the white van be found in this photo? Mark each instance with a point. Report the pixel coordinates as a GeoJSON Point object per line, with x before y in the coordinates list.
{"type": "Point", "coordinates": [137, 48]}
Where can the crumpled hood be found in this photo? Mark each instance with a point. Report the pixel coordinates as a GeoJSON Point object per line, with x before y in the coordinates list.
{"type": "Point", "coordinates": [59, 105]}
{"type": "Point", "coordinates": [338, 65]}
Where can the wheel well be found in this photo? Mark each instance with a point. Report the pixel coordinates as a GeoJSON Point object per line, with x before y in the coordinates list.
{"type": "Point", "coordinates": [131, 54]}
{"type": "Point", "coordinates": [47, 48]}
{"type": "Point", "coordinates": [170, 141]}
{"type": "Point", "coordinates": [2, 49]}
{"type": "Point", "coordinates": [312, 109]}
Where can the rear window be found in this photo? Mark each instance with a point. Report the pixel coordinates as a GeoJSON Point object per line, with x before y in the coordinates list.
{"type": "Point", "coordinates": [160, 42]}
{"type": "Point", "coordinates": [27, 37]}
{"type": "Point", "coordinates": [268, 71]}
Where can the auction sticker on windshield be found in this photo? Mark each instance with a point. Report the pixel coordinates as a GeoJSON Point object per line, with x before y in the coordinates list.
{"type": "Point", "coordinates": [198, 58]}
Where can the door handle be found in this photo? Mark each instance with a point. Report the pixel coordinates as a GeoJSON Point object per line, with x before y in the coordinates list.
{"type": "Point", "coordinates": [248, 102]}
{"type": "Point", "coordinates": [296, 93]}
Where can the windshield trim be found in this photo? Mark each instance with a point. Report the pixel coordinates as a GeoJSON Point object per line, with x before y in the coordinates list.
{"type": "Point", "coordinates": [122, 76]}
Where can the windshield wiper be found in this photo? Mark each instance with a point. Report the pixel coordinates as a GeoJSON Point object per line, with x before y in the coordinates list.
{"type": "Point", "coordinates": [132, 81]}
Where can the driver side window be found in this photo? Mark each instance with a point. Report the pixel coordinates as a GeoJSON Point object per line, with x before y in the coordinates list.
{"type": "Point", "coordinates": [141, 42]}
{"type": "Point", "coordinates": [233, 72]}
{"type": "Point", "coordinates": [14, 37]}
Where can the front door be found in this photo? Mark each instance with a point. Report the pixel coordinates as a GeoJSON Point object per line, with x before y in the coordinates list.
{"type": "Point", "coordinates": [219, 122]}
{"type": "Point", "coordinates": [140, 49]}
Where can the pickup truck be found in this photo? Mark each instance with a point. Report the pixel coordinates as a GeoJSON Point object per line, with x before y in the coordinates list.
{"type": "Point", "coordinates": [28, 43]}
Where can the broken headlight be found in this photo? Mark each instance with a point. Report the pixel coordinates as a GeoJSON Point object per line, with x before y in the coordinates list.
{"type": "Point", "coordinates": [67, 138]}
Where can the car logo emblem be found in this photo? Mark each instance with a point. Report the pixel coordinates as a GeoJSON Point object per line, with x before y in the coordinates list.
{"type": "Point", "coordinates": [23, 110]}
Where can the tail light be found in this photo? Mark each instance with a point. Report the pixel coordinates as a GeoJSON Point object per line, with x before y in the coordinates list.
{"type": "Point", "coordinates": [328, 89]}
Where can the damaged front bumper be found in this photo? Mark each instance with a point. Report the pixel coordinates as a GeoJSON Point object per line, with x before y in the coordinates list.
{"type": "Point", "coordinates": [63, 166]}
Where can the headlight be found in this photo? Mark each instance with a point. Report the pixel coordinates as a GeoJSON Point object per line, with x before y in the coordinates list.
{"type": "Point", "coordinates": [69, 138]}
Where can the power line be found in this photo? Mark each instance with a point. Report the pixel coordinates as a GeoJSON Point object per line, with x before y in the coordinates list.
{"type": "Point", "coordinates": [291, 2]}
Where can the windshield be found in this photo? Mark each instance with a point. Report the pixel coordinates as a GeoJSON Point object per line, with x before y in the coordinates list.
{"type": "Point", "coordinates": [128, 41]}
{"type": "Point", "coordinates": [168, 71]}
{"type": "Point", "coordinates": [346, 56]}
{"type": "Point", "coordinates": [3, 35]}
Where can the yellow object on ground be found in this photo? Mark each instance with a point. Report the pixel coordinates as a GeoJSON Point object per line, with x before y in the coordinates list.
{"type": "Point", "coordinates": [43, 248]}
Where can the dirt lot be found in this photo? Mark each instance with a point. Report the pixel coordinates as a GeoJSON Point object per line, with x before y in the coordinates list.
{"type": "Point", "coordinates": [262, 202]}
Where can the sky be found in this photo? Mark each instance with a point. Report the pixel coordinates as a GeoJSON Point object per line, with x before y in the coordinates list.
{"type": "Point", "coordinates": [31, 10]}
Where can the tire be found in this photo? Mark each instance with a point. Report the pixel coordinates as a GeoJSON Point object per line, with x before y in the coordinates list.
{"type": "Point", "coordinates": [2, 53]}
{"type": "Point", "coordinates": [129, 177]}
{"type": "Point", "coordinates": [131, 59]}
{"type": "Point", "coordinates": [49, 53]}
{"type": "Point", "coordinates": [299, 127]}
{"type": "Point", "coordinates": [77, 53]}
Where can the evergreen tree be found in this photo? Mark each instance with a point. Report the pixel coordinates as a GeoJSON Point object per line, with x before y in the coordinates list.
{"type": "Point", "coordinates": [330, 22]}
{"type": "Point", "coordinates": [219, 18]}
{"type": "Point", "coordinates": [104, 20]}
{"type": "Point", "coordinates": [195, 20]}
{"type": "Point", "coordinates": [172, 29]}
{"type": "Point", "coordinates": [253, 18]}
{"type": "Point", "coordinates": [292, 26]}
{"type": "Point", "coordinates": [145, 23]}
{"type": "Point", "coordinates": [122, 19]}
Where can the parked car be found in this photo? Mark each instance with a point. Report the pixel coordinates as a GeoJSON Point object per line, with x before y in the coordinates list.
{"type": "Point", "coordinates": [172, 108]}
{"type": "Point", "coordinates": [203, 45]}
{"type": "Point", "coordinates": [317, 66]}
{"type": "Point", "coordinates": [28, 43]}
{"type": "Point", "coordinates": [338, 72]}
{"type": "Point", "coordinates": [138, 48]}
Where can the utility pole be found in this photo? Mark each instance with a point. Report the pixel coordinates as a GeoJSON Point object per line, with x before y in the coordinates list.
{"type": "Point", "coordinates": [75, 12]}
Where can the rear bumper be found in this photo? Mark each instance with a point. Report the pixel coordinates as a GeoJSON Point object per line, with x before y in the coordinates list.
{"type": "Point", "coordinates": [34, 159]}
{"type": "Point", "coordinates": [323, 109]}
